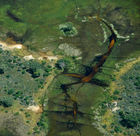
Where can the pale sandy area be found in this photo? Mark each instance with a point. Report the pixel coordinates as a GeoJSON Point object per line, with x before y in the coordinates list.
{"type": "Point", "coordinates": [29, 57]}
{"type": "Point", "coordinates": [35, 108]}
{"type": "Point", "coordinates": [41, 56]}
{"type": "Point", "coordinates": [6, 46]}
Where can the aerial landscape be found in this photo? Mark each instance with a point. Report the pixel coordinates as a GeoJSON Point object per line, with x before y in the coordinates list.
{"type": "Point", "coordinates": [69, 68]}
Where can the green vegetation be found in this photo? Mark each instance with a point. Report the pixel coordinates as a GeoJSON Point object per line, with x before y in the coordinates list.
{"type": "Point", "coordinates": [16, 114]}
{"type": "Point", "coordinates": [129, 119]}
{"type": "Point", "coordinates": [27, 114]}
{"type": "Point", "coordinates": [55, 22]}
{"type": "Point", "coordinates": [129, 100]}
{"type": "Point", "coordinates": [42, 124]}
{"type": "Point", "coordinates": [6, 101]}
{"type": "Point", "coordinates": [42, 23]}
{"type": "Point", "coordinates": [126, 120]}
{"type": "Point", "coordinates": [20, 78]}
{"type": "Point", "coordinates": [41, 26]}
{"type": "Point", "coordinates": [68, 29]}
{"type": "Point", "coordinates": [70, 65]}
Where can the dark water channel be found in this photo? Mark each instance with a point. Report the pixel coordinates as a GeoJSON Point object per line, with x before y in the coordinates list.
{"type": "Point", "coordinates": [63, 121]}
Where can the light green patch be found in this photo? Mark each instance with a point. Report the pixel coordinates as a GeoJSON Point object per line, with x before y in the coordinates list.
{"type": "Point", "coordinates": [68, 29]}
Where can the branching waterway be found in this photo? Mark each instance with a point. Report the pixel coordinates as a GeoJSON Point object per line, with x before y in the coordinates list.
{"type": "Point", "coordinates": [66, 113]}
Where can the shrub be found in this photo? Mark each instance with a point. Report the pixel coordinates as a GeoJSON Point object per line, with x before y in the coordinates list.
{"type": "Point", "coordinates": [61, 64]}
{"type": "Point", "coordinates": [128, 119]}
{"type": "Point", "coordinates": [17, 113]}
{"type": "Point", "coordinates": [42, 123]}
{"type": "Point", "coordinates": [10, 91]}
{"type": "Point", "coordinates": [68, 29]}
{"type": "Point", "coordinates": [117, 129]}
{"type": "Point", "coordinates": [114, 97]}
{"type": "Point", "coordinates": [1, 50]}
{"type": "Point", "coordinates": [14, 73]}
{"type": "Point", "coordinates": [27, 114]}
{"type": "Point", "coordinates": [116, 92]}
{"type": "Point", "coordinates": [6, 101]}
{"type": "Point", "coordinates": [1, 71]}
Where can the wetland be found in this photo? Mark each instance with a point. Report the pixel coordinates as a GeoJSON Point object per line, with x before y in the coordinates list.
{"type": "Point", "coordinates": [70, 66]}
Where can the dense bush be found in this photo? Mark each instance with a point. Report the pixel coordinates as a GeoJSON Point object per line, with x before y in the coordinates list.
{"type": "Point", "coordinates": [129, 116]}
{"type": "Point", "coordinates": [1, 71]}
{"type": "Point", "coordinates": [43, 122]}
{"type": "Point", "coordinates": [21, 78]}
{"type": "Point", "coordinates": [128, 119]}
{"type": "Point", "coordinates": [68, 29]}
{"type": "Point", "coordinates": [62, 64]}
{"type": "Point", "coordinates": [6, 101]}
